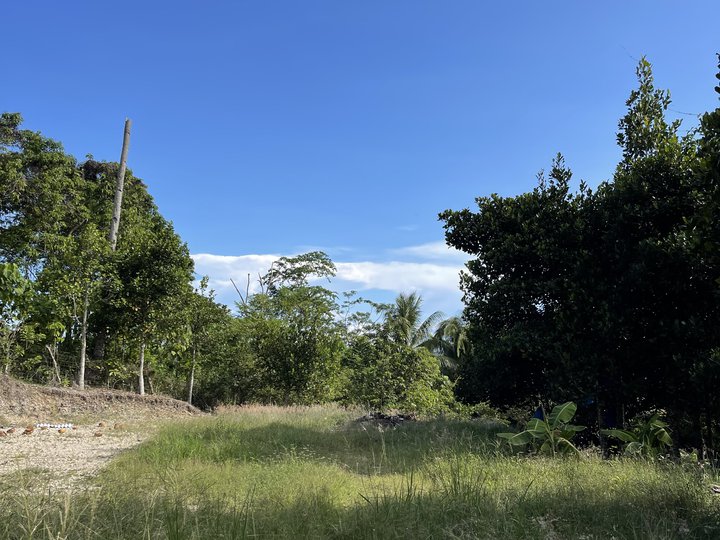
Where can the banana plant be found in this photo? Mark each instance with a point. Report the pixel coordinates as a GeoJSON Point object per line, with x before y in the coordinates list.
{"type": "Point", "coordinates": [550, 436]}
{"type": "Point", "coordinates": [647, 438]}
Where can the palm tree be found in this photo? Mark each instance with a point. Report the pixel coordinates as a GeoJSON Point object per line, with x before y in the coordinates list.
{"type": "Point", "coordinates": [449, 343]}
{"type": "Point", "coordinates": [404, 321]}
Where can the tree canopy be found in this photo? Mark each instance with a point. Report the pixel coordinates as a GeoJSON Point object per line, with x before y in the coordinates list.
{"type": "Point", "coordinates": [607, 297]}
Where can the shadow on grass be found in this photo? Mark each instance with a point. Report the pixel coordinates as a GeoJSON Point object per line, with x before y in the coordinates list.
{"type": "Point", "coordinates": [362, 447]}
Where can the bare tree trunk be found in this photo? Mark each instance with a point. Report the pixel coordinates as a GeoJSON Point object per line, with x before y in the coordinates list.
{"type": "Point", "coordinates": [53, 356]}
{"type": "Point", "coordinates": [83, 341]}
{"type": "Point", "coordinates": [141, 373]}
{"type": "Point", "coordinates": [8, 344]}
{"type": "Point", "coordinates": [102, 336]}
{"type": "Point", "coordinates": [115, 223]}
{"type": "Point", "coordinates": [191, 380]}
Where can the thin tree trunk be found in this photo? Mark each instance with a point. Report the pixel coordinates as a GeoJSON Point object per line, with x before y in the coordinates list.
{"type": "Point", "coordinates": [141, 373]}
{"type": "Point", "coordinates": [83, 341]}
{"type": "Point", "coordinates": [191, 380]}
{"type": "Point", "coordinates": [8, 344]}
{"type": "Point", "coordinates": [117, 208]}
{"type": "Point", "coordinates": [53, 356]}
{"type": "Point", "coordinates": [601, 426]}
{"type": "Point", "coordinates": [102, 336]}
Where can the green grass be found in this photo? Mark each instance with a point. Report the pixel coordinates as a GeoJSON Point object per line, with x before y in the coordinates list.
{"type": "Point", "coordinates": [266, 472]}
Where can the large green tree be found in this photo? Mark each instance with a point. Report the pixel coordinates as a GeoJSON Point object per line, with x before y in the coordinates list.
{"type": "Point", "coordinates": [49, 230]}
{"type": "Point", "coordinates": [53, 217]}
{"type": "Point", "coordinates": [293, 331]}
{"type": "Point", "coordinates": [605, 297]}
{"type": "Point", "coordinates": [154, 270]}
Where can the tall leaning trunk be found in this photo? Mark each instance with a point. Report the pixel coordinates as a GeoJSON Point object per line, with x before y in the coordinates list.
{"type": "Point", "coordinates": [119, 186]}
{"type": "Point", "coordinates": [102, 335]}
{"type": "Point", "coordinates": [83, 341]}
{"type": "Point", "coordinates": [191, 378]}
{"type": "Point", "coordinates": [141, 373]}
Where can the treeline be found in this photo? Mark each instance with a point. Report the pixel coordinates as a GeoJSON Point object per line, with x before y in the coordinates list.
{"type": "Point", "coordinates": [75, 310]}
{"type": "Point", "coordinates": [607, 297]}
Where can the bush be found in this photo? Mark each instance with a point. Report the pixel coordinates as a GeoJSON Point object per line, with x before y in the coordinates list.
{"type": "Point", "coordinates": [381, 374]}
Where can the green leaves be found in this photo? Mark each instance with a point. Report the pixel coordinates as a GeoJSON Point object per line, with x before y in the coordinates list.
{"type": "Point", "coordinates": [297, 271]}
{"type": "Point", "coordinates": [609, 294]}
{"type": "Point", "coordinates": [293, 332]}
{"type": "Point", "coordinates": [648, 437]}
{"type": "Point", "coordinates": [14, 288]}
{"type": "Point", "coordinates": [562, 414]}
{"type": "Point", "coordinates": [520, 439]}
{"type": "Point", "coordinates": [404, 324]}
{"type": "Point", "coordinates": [548, 437]}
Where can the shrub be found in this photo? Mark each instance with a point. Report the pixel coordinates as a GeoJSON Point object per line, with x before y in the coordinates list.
{"type": "Point", "coordinates": [648, 436]}
{"type": "Point", "coordinates": [550, 436]}
{"type": "Point", "coordinates": [381, 374]}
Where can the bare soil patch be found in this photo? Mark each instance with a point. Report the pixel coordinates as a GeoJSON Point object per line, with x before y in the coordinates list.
{"type": "Point", "coordinates": [105, 422]}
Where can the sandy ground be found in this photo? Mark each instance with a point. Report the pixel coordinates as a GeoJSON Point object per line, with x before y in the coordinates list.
{"type": "Point", "coordinates": [66, 458]}
{"type": "Point", "coordinates": [106, 423]}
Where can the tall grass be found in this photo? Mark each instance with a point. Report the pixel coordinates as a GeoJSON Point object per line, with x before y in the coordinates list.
{"type": "Point", "coordinates": [315, 473]}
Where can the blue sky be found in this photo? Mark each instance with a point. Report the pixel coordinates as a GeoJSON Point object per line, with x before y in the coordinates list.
{"type": "Point", "coordinates": [271, 128]}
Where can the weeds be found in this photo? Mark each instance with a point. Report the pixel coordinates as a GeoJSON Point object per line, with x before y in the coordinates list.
{"type": "Point", "coordinates": [314, 473]}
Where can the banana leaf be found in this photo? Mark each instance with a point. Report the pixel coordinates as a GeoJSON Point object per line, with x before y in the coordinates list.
{"type": "Point", "coordinates": [624, 436]}
{"type": "Point", "coordinates": [562, 414]}
{"type": "Point", "coordinates": [517, 439]}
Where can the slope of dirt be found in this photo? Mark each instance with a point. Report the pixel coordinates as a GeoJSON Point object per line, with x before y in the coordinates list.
{"type": "Point", "coordinates": [105, 422]}
{"type": "Point", "coordinates": [22, 402]}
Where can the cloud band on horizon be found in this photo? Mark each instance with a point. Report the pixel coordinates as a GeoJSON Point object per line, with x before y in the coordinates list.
{"type": "Point", "coordinates": [434, 273]}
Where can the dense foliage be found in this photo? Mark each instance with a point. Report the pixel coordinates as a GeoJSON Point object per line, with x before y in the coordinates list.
{"type": "Point", "coordinates": [608, 297]}
{"type": "Point", "coordinates": [71, 306]}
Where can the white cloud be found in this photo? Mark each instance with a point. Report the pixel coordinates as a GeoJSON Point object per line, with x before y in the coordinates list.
{"type": "Point", "coordinates": [233, 262]}
{"type": "Point", "coordinates": [399, 276]}
{"type": "Point", "coordinates": [221, 269]}
{"type": "Point", "coordinates": [434, 251]}
{"type": "Point", "coordinates": [433, 271]}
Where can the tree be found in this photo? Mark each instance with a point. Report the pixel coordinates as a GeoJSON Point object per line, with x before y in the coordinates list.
{"type": "Point", "coordinates": [404, 323]}
{"type": "Point", "coordinates": [15, 301]}
{"type": "Point", "coordinates": [702, 236]}
{"type": "Point", "coordinates": [388, 364]}
{"type": "Point", "coordinates": [40, 195]}
{"type": "Point", "coordinates": [527, 250]}
{"type": "Point", "coordinates": [385, 374]}
{"type": "Point", "coordinates": [154, 269]}
{"type": "Point", "coordinates": [604, 297]}
{"type": "Point", "coordinates": [47, 229]}
{"type": "Point", "coordinates": [52, 210]}
{"type": "Point", "coordinates": [293, 331]}
{"type": "Point", "coordinates": [450, 343]}
{"type": "Point", "coordinates": [207, 321]}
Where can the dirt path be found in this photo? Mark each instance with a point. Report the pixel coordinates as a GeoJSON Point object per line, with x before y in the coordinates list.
{"type": "Point", "coordinates": [66, 458]}
{"type": "Point", "coordinates": [106, 424]}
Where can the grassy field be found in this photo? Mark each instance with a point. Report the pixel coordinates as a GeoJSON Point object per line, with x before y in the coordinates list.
{"type": "Point", "coordinates": [264, 472]}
